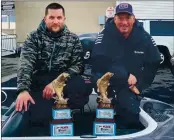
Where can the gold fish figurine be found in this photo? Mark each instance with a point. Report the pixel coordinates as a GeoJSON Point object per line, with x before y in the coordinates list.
{"type": "Point", "coordinates": [58, 85]}
{"type": "Point", "coordinates": [102, 86]}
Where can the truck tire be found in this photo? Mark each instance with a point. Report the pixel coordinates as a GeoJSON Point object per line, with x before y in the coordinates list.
{"type": "Point", "coordinates": [165, 56]}
{"type": "Point", "coordinates": [172, 66]}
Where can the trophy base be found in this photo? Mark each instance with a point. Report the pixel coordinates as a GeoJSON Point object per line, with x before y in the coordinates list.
{"type": "Point", "coordinates": [62, 128]}
{"type": "Point", "coordinates": [60, 106]}
{"type": "Point", "coordinates": [61, 113]}
{"type": "Point", "coordinates": [105, 105]}
{"type": "Point", "coordinates": [104, 127]}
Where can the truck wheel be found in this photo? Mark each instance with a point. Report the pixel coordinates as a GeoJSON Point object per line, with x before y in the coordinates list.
{"type": "Point", "coordinates": [172, 65]}
{"type": "Point", "coordinates": [165, 57]}
{"type": "Point", "coordinates": [162, 58]}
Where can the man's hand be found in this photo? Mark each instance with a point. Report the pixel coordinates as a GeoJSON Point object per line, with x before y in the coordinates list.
{"type": "Point", "coordinates": [132, 80]}
{"type": "Point", "coordinates": [23, 99]}
{"type": "Point", "coordinates": [48, 91]}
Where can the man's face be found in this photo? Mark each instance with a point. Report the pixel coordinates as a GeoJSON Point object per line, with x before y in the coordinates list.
{"type": "Point", "coordinates": [55, 20]}
{"type": "Point", "coordinates": [124, 22]}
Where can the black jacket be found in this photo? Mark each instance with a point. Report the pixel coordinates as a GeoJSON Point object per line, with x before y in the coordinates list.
{"type": "Point", "coordinates": [138, 55]}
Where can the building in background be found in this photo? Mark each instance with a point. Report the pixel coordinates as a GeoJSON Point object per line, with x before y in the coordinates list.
{"type": "Point", "coordinates": [81, 16]}
{"type": "Point", "coordinates": [8, 20]}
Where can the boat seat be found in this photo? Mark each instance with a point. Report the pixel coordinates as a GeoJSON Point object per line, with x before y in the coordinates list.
{"type": "Point", "coordinates": [14, 122]}
{"type": "Point", "coordinates": [155, 114]}
{"type": "Point", "coordinates": [10, 109]}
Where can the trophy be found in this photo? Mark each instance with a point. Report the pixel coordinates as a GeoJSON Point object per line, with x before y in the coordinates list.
{"type": "Point", "coordinates": [104, 124]}
{"type": "Point", "coordinates": [61, 125]}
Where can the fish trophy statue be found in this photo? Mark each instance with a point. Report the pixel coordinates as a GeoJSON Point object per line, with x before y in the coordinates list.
{"type": "Point", "coordinates": [102, 86]}
{"type": "Point", "coordinates": [105, 123]}
{"type": "Point", "coordinates": [61, 124]}
{"type": "Point", "coordinates": [58, 85]}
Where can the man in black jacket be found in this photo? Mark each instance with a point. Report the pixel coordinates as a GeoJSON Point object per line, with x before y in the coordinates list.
{"type": "Point", "coordinates": [124, 48]}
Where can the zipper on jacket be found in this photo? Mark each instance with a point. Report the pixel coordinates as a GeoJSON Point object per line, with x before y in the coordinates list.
{"type": "Point", "coordinates": [51, 56]}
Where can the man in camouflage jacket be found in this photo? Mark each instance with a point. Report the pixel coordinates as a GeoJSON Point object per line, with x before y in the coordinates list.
{"type": "Point", "coordinates": [47, 52]}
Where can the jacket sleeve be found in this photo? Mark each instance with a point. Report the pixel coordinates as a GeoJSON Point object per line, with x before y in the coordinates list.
{"type": "Point", "coordinates": [152, 62]}
{"type": "Point", "coordinates": [76, 64]}
{"type": "Point", "coordinates": [26, 64]}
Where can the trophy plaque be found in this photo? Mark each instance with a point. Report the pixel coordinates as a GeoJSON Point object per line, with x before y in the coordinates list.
{"type": "Point", "coordinates": [61, 113]}
{"type": "Point", "coordinates": [104, 127]}
{"type": "Point", "coordinates": [105, 111]}
{"type": "Point", "coordinates": [62, 128]}
{"type": "Point", "coordinates": [62, 124]}
{"type": "Point", "coordinates": [104, 124]}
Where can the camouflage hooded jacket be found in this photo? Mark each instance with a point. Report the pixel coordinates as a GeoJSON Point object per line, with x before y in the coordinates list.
{"type": "Point", "coordinates": [44, 50]}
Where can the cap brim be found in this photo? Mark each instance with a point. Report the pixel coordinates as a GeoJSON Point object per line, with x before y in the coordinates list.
{"type": "Point", "coordinates": [124, 12]}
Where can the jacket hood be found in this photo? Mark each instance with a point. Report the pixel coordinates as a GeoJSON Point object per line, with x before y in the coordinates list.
{"type": "Point", "coordinates": [110, 26]}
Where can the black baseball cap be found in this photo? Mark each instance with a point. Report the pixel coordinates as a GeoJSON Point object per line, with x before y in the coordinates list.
{"type": "Point", "coordinates": [124, 8]}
